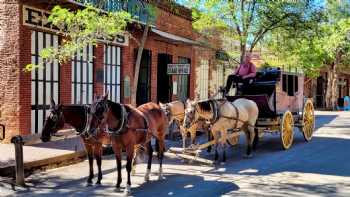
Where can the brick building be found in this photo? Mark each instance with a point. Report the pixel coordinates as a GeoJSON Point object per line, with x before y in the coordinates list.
{"type": "Point", "coordinates": [24, 97]}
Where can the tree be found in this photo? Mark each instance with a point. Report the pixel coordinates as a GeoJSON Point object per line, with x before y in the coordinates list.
{"type": "Point", "coordinates": [92, 24]}
{"type": "Point", "coordinates": [325, 46]}
{"type": "Point", "coordinates": [81, 28]}
{"type": "Point", "coordinates": [248, 21]}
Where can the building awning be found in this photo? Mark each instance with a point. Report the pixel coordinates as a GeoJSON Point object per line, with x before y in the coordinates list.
{"type": "Point", "coordinates": [175, 38]}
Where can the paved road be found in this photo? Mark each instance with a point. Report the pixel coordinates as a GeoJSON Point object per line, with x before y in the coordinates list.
{"type": "Point", "coordinates": [318, 168]}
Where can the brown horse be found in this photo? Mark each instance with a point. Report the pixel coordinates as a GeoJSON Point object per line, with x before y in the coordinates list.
{"type": "Point", "coordinates": [76, 116]}
{"type": "Point", "coordinates": [175, 111]}
{"type": "Point", "coordinates": [129, 127]}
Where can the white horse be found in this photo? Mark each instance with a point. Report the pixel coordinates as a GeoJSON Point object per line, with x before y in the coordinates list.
{"type": "Point", "coordinates": [223, 115]}
{"type": "Point", "coordinates": [175, 111]}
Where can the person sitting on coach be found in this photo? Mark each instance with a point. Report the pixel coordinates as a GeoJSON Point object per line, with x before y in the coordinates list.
{"type": "Point", "coordinates": [245, 74]}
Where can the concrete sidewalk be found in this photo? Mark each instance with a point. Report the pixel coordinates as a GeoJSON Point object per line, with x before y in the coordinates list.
{"type": "Point", "coordinates": [42, 155]}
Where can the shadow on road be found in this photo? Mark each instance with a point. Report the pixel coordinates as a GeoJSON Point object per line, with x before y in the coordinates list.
{"type": "Point", "coordinates": [174, 185]}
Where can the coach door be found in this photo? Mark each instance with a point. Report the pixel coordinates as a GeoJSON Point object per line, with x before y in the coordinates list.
{"type": "Point", "coordinates": [112, 55]}
{"type": "Point", "coordinates": [82, 76]}
{"type": "Point", "coordinates": [45, 81]}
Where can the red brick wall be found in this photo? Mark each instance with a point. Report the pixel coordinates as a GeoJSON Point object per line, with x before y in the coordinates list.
{"type": "Point", "coordinates": [15, 53]}
{"type": "Point", "coordinates": [25, 79]}
{"type": "Point", "coordinates": [9, 64]}
{"type": "Point", "coordinates": [98, 65]}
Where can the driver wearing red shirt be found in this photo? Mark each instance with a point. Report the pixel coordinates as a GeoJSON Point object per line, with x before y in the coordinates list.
{"type": "Point", "coordinates": [245, 74]}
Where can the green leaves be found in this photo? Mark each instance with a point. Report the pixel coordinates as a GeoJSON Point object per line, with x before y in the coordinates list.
{"type": "Point", "coordinates": [81, 28]}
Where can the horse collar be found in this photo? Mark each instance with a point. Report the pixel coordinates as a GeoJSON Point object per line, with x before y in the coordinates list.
{"type": "Point", "coordinates": [122, 123]}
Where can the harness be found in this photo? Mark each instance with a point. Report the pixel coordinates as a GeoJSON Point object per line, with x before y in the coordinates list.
{"type": "Point", "coordinates": [217, 115]}
{"type": "Point", "coordinates": [169, 115]}
{"type": "Point", "coordinates": [122, 123]}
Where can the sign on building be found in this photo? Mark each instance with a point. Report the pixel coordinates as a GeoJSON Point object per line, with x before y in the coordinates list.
{"type": "Point", "coordinates": [179, 69]}
{"type": "Point", "coordinates": [37, 18]}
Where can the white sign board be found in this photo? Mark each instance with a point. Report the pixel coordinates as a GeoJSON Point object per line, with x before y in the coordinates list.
{"type": "Point", "coordinates": [179, 69]}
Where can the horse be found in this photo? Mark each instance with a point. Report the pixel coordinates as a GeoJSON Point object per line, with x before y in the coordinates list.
{"type": "Point", "coordinates": [175, 111]}
{"type": "Point", "coordinates": [76, 116]}
{"type": "Point", "coordinates": [129, 127]}
{"type": "Point", "coordinates": [241, 114]}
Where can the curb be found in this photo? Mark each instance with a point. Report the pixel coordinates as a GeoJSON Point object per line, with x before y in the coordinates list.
{"type": "Point", "coordinates": [44, 164]}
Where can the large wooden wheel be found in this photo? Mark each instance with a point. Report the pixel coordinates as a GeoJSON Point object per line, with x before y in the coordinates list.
{"type": "Point", "coordinates": [287, 127]}
{"type": "Point", "coordinates": [308, 120]}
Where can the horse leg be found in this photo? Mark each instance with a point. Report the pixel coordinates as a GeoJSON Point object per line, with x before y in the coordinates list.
{"type": "Point", "coordinates": [249, 138]}
{"type": "Point", "coordinates": [256, 139]}
{"type": "Point", "coordinates": [160, 158]}
{"type": "Point", "coordinates": [134, 162]}
{"type": "Point", "coordinates": [98, 157]}
{"type": "Point", "coordinates": [118, 156]}
{"type": "Point", "coordinates": [149, 163]}
{"type": "Point", "coordinates": [223, 154]}
{"type": "Point", "coordinates": [130, 156]}
{"type": "Point", "coordinates": [210, 138]}
{"type": "Point", "coordinates": [90, 151]}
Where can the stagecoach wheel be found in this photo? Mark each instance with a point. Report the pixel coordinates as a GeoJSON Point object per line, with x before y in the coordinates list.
{"type": "Point", "coordinates": [308, 120]}
{"type": "Point", "coordinates": [287, 127]}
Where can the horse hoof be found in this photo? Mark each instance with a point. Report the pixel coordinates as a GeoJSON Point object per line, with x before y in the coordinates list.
{"type": "Point", "coordinates": [161, 177]}
{"type": "Point", "coordinates": [88, 184]}
{"type": "Point", "coordinates": [146, 178]}
{"type": "Point", "coordinates": [222, 163]}
{"type": "Point", "coordinates": [133, 173]}
{"type": "Point", "coordinates": [98, 182]}
{"type": "Point", "coordinates": [117, 189]}
{"type": "Point", "coordinates": [127, 190]}
{"type": "Point", "coordinates": [248, 156]}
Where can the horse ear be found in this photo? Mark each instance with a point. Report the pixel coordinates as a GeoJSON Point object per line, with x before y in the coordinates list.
{"type": "Point", "coordinates": [52, 104]}
{"type": "Point", "coordinates": [105, 97]}
{"type": "Point", "coordinates": [59, 108]}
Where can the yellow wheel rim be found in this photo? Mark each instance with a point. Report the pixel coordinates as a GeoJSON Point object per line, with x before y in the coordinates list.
{"type": "Point", "coordinates": [287, 127]}
{"type": "Point", "coordinates": [308, 120]}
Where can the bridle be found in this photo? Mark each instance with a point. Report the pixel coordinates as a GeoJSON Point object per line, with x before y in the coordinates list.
{"type": "Point", "coordinates": [56, 119]}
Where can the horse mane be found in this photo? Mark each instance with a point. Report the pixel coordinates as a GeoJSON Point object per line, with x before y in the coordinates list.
{"type": "Point", "coordinates": [116, 108]}
{"type": "Point", "coordinates": [204, 106]}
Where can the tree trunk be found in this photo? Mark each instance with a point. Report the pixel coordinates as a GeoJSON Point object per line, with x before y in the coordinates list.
{"type": "Point", "coordinates": [137, 65]}
{"type": "Point", "coordinates": [331, 92]}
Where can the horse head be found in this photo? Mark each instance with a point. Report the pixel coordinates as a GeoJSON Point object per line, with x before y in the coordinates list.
{"type": "Point", "coordinates": [97, 114]}
{"type": "Point", "coordinates": [190, 113]}
{"type": "Point", "coordinates": [54, 122]}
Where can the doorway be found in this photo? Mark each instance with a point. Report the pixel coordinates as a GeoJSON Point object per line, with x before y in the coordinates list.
{"type": "Point", "coordinates": [163, 79]}
{"type": "Point", "coordinates": [320, 92]}
{"type": "Point", "coordinates": [183, 84]}
{"type": "Point", "coordinates": [143, 86]}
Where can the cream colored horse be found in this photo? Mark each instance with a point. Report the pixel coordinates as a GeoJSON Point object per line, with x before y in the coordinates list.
{"type": "Point", "coordinates": [223, 115]}
{"type": "Point", "coordinates": [175, 111]}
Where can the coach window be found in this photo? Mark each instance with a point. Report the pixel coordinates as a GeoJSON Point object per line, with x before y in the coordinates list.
{"type": "Point", "coordinates": [82, 76]}
{"type": "Point", "coordinates": [112, 56]}
{"type": "Point", "coordinates": [290, 84]}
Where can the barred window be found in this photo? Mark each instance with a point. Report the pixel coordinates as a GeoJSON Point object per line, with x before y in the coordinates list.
{"type": "Point", "coordinates": [82, 76]}
{"type": "Point", "coordinates": [112, 57]}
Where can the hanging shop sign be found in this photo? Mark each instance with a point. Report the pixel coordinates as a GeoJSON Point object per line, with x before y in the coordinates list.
{"type": "Point", "coordinates": [37, 18]}
{"type": "Point", "coordinates": [179, 69]}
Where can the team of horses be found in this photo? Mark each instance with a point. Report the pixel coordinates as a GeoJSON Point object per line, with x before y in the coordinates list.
{"type": "Point", "coordinates": [132, 129]}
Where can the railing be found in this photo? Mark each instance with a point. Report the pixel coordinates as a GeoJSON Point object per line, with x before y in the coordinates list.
{"type": "Point", "coordinates": [137, 8]}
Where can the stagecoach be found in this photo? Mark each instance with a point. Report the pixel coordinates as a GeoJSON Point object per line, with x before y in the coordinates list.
{"type": "Point", "coordinates": [279, 95]}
